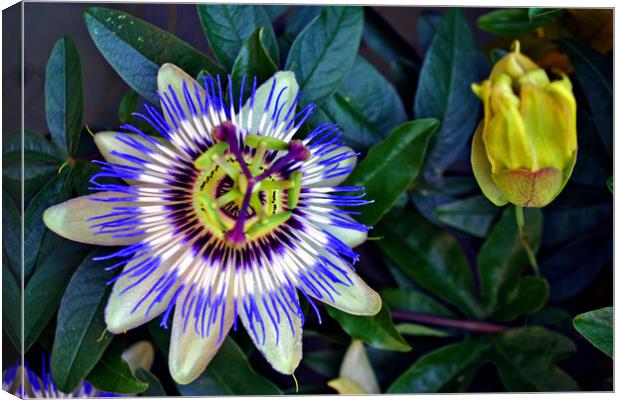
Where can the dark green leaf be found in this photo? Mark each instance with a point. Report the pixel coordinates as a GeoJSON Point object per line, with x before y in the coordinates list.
{"type": "Point", "coordinates": [536, 13]}
{"type": "Point", "coordinates": [428, 26]}
{"type": "Point", "coordinates": [274, 12]}
{"type": "Point", "coordinates": [413, 301]}
{"type": "Point", "coordinates": [64, 101]}
{"type": "Point", "coordinates": [57, 190]}
{"type": "Point", "coordinates": [129, 104]}
{"type": "Point", "coordinates": [443, 90]}
{"type": "Point", "coordinates": [11, 237]}
{"type": "Point", "coordinates": [575, 266]}
{"type": "Point", "coordinates": [227, 27]}
{"type": "Point", "coordinates": [473, 215]}
{"type": "Point", "coordinates": [610, 184]}
{"type": "Point", "coordinates": [81, 336]}
{"type": "Point", "coordinates": [409, 329]}
{"type": "Point", "coordinates": [324, 52]}
{"type": "Point", "coordinates": [503, 258]}
{"type": "Point", "coordinates": [136, 49]}
{"type": "Point", "coordinates": [595, 76]}
{"type": "Point", "coordinates": [216, 380]}
{"type": "Point", "coordinates": [301, 17]}
{"type": "Point", "coordinates": [531, 296]}
{"type": "Point", "coordinates": [598, 327]}
{"type": "Point", "coordinates": [47, 285]}
{"type": "Point", "coordinates": [377, 331]}
{"type": "Point", "coordinates": [575, 215]}
{"type": "Point", "coordinates": [435, 370]}
{"type": "Point", "coordinates": [431, 257]}
{"type": "Point", "coordinates": [322, 362]}
{"type": "Point", "coordinates": [526, 359]}
{"type": "Point", "coordinates": [252, 61]}
{"type": "Point", "coordinates": [155, 388]}
{"type": "Point", "coordinates": [11, 304]}
{"type": "Point", "coordinates": [511, 21]}
{"type": "Point", "coordinates": [42, 159]}
{"type": "Point", "coordinates": [429, 195]}
{"type": "Point", "coordinates": [365, 113]}
{"type": "Point", "coordinates": [112, 373]}
{"type": "Point", "coordinates": [397, 160]}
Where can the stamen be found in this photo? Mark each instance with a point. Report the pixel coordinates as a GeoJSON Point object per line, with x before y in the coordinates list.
{"type": "Point", "coordinates": [295, 191]}
{"type": "Point", "coordinates": [205, 161]}
{"type": "Point", "coordinates": [260, 228]}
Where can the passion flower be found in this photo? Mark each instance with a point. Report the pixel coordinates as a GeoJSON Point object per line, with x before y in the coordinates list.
{"type": "Point", "coordinates": [226, 216]}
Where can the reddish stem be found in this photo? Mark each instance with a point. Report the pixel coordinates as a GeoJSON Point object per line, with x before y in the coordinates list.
{"type": "Point", "coordinates": [477, 326]}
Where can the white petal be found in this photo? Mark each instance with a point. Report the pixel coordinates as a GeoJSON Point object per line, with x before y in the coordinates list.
{"type": "Point", "coordinates": [190, 353]}
{"type": "Point", "coordinates": [351, 237]}
{"type": "Point", "coordinates": [284, 79]}
{"type": "Point", "coordinates": [119, 312]}
{"type": "Point", "coordinates": [356, 367]}
{"type": "Point", "coordinates": [353, 297]}
{"type": "Point", "coordinates": [106, 142]}
{"type": "Point", "coordinates": [70, 219]}
{"type": "Point", "coordinates": [281, 346]}
{"type": "Point", "coordinates": [349, 162]}
{"type": "Point", "coordinates": [139, 355]}
{"type": "Point", "coordinates": [171, 75]}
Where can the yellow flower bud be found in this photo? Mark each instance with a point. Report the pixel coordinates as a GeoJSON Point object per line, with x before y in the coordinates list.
{"type": "Point", "coordinates": [524, 150]}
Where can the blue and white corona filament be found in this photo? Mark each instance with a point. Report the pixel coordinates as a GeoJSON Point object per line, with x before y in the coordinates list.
{"type": "Point", "coordinates": [226, 217]}
{"type": "Point", "coordinates": [26, 384]}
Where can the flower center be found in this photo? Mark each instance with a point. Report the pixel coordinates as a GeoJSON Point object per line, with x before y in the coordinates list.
{"type": "Point", "coordinates": [246, 191]}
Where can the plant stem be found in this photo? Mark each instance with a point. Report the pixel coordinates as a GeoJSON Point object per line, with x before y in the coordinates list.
{"type": "Point", "coordinates": [523, 235]}
{"type": "Point", "coordinates": [476, 326]}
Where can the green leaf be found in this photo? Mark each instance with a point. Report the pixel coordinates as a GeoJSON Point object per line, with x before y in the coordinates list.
{"type": "Point", "coordinates": [365, 113]}
{"type": "Point", "coordinates": [431, 257]}
{"type": "Point", "coordinates": [419, 330]}
{"type": "Point", "coordinates": [511, 21]}
{"type": "Point", "coordinates": [46, 287]}
{"type": "Point", "coordinates": [57, 190]}
{"type": "Point", "coordinates": [322, 361]}
{"type": "Point", "coordinates": [81, 336]}
{"type": "Point", "coordinates": [112, 373]}
{"type": "Point", "coordinates": [595, 76]}
{"type": "Point", "coordinates": [377, 331]}
{"type": "Point", "coordinates": [11, 304]}
{"type": "Point", "coordinates": [155, 388]}
{"type": "Point", "coordinates": [397, 160]}
{"type": "Point", "coordinates": [252, 61]}
{"type": "Point", "coordinates": [64, 101]}
{"type": "Point", "coordinates": [128, 105]}
{"type": "Point", "coordinates": [216, 380]}
{"type": "Point", "coordinates": [428, 26]}
{"type": "Point", "coordinates": [503, 258]}
{"type": "Point", "coordinates": [324, 52]}
{"type": "Point", "coordinates": [227, 27]}
{"type": "Point", "coordinates": [473, 215]}
{"type": "Point", "coordinates": [429, 195]}
{"type": "Point", "coordinates": [11, 240]}
{"type": "Point", "coordinates": [531, 295]}
{"type": "Point", "coordinates": [42, 159]}
{"type": "Point", "coordinates": [526, 359]}
{"type": "Point", "coordinates": [300, 17]}
{"type": "Point", "coordinates": [136, 49]}
{"type": "Point", "coordinates": [436, 370]}
{"type": "Point", "coordinates": [443, 89]}
{"type": "Point", "coordinates": [275, 11]}
{"type": "Point", "coordinates": [413, 301]}
{"type": "Point", "coordinates": [610, 184]}
{"type": "Point", "coordinates": [573, 267]}
{"type": "Point", "coordinates": [598, 327]}
{"type": "Point", "coordinates": [537, 13]}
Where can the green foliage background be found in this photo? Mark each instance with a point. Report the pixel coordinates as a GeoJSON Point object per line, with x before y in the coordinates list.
{"type": "Point", "coordinates": [463, 311]}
